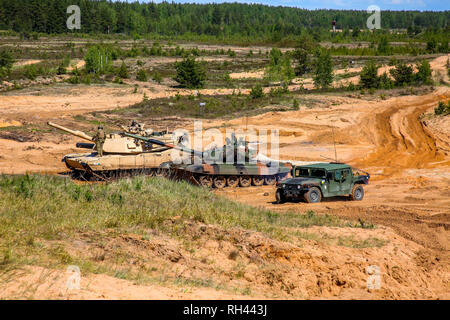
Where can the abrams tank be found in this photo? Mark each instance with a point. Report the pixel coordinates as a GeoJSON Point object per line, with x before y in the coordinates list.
{"type": "Point", "coordinates": [122, 156]}
{"type": "Point", "coordinates": [236, 167]}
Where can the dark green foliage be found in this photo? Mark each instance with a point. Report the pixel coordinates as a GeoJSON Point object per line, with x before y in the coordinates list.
{"type": "Point", "coordinates": [369, 76]}
{"type": "Point", "coordinates": [442, 108]}
{"type": "Point", "coordinates": [6, 59]}
{"type": "Point", "coordinates": [402, 74]}
{"type": "Point", "coordinates": [257, 92]}
{"type": "Point", "coordinates": [141, 75]}
{"type": "Point", "coordinates": [157, 77]}
{"type": "Point", "coordinates": [190, 73]}
{"type": "Point", "coordinates": [385, 82]}
{"type": "Point", "coordinates": [280, 68]}
{"type": "Point", "coordinates": [323, 69]}
{"type": "Point", "coordinates": [432, 45]}
{"type": "Point", "coordinates": [6, 63]}
{"type": "Point", "coordinates": [123, 71]}
{"type": "Point", "coordinates": [61, 70]}
{"type": "Point", "coordinates": [423, 75]}
{"type": "Point", "coordinates": [31, 71]}
{"type": "Point", "coordinates": [448, 67]}
{"type": "Point", "coordinates": [383, 46]}
{"type": "Point", "coordinates": [303, 64]}
{"type": "Point", "coordinates": [247, 22]}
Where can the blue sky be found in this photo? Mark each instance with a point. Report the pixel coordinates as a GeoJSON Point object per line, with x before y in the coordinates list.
{"type": "Point", "coordinates": [422, 5]}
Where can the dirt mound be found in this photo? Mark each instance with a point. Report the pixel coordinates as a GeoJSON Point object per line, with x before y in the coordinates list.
{"type": "Point", "coordinates": [210, 262]}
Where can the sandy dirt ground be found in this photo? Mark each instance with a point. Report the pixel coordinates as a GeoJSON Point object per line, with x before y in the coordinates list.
{"type": "Point", "coordinates": [408, 197]}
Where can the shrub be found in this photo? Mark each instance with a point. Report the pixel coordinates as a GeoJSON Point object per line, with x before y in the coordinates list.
{"type": "Point", "coordinates": [302, 62]}
{"type": "Point", "coordinates": [323, 73]}
{"type": "Point", "coordinates": [118, 80]}
{"type": "Point", "coordinates": [280, 68]}
{"type": "Point", "coordinates": [6, 60]}
{"type": "Point", "coordinates": [75, 79]}
{"type": "Point", "coordinates": [385, 82]}
{"type": "Point", "coordinates": [141, 75]}
{"type": "Point", "coordinates": [402, 73]}
{"type": "Point", "coordinates": [123, 71]}
{"type": "Point", "coordinates": [157, 77]}
{"type": "Point", "coordinates": [442, 108]}
{"type": "Point", "coordinates": [98, 59]}
{"type": "Point", "coordinates": [257, 92]}
{"type": "Point", "coordinates": [369, 75]}
{"type": "Point", "coordinates": [190, 73]}
{"type": "Point", "coordinates": [295, 105]}
{"type": "Point", "coordinates": [423, 74]}
{"type": "Point", "coordinates": [383, 46]}
{"type": "Point", "coordinates": [432, 45]}
{"type": "Point", "coordinates": [31, 72]}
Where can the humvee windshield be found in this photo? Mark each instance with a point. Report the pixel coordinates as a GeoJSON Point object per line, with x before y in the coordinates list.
{"type": "Point", "coordinates": [307, 172]}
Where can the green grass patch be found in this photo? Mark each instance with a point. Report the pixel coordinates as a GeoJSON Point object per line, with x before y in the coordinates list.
{"type": "Point", "coordinates": [38, 213]}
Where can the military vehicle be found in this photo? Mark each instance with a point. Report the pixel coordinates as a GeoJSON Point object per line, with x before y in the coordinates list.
{"type": "Point", "coordinates": [321, 180]}
{"type": "Point", "coordinates": [122, 156]}
{"type": "Point", "coordinates": [236, 167]}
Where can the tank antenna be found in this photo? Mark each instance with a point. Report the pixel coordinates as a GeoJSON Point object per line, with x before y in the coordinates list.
{"type": "Point", "coordinates": [334, 141]}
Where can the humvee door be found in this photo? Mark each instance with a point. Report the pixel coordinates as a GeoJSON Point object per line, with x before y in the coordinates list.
{"type": "Point", "coordinates": [334, 182]}
{"type": "Point", "coordinates": [340, 182]}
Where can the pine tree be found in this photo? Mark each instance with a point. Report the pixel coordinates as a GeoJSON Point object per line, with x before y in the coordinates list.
{"type": "Point", "coordinates": [190, 73]}
{"type": "Point", "coordinates": [323, 73]}
{"type": "Point", "coordinates": [369, 75]}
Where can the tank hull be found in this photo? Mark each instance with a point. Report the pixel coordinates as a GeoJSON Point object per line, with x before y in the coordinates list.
{"type": "Point", "coordinates": [112, 165]}
{"type": "Point", "coordinates": [230, 175]}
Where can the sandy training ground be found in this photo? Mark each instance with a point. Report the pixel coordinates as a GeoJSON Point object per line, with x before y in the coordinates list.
{"type": "Point", "coordinates": [406, 153]}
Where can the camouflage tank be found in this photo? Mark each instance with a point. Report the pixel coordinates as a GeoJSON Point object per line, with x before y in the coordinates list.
{"type": "Point", "coordinates": [122, 155]}
{"type": "Point", "coordinates": [242, 168]}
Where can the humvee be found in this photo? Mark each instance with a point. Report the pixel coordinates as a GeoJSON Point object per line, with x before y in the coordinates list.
{"type": "Point", "coordinates": [322, 180]}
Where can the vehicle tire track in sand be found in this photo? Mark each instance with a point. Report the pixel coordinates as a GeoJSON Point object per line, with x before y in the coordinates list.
{"type": "Point", "coordinates": [401, 140]}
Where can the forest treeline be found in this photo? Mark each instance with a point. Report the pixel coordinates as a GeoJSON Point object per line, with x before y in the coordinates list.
{"type": "Point", "coordinates": [223, 21]}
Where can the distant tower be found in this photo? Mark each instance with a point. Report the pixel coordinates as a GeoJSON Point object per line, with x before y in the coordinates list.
{"type": "Point", "coordinates": [333, 24]}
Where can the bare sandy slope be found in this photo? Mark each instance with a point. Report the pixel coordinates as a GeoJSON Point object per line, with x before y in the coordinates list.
{"type": "Point", "coordinates": [259, 267]}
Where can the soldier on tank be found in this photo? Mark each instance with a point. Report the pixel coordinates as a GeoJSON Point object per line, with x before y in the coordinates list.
{"type": "Point", "coordinates": [99, 139]}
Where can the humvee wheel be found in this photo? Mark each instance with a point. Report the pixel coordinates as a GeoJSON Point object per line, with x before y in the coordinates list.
{"type": "Point", "coordinates": [313, 195]}
{"type": "Point", "coordinates": [257, 181]}
{"type": "Point", "coordinates": [270, 180]}
{"type": "Point", "coordinates": [245, 181]}
{"type": "Point", "coordinates": [357, 193]}
{"type": "Point", "coordinates": [219, 182]}
{"type": "Point", "coordinates": [279, 196]}
{"type": "Point", "coordinates": [206, 181]}
{"type": "Point", "coordinates": [233, 181]}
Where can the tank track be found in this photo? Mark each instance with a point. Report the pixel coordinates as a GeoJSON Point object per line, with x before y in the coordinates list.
{"type": "Point", "coordinates": [209, 181]}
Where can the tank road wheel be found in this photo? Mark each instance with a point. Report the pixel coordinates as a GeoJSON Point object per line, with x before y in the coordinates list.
{"type": "Point", "coordinates": [357, 193]}
{"type": "Point", "coordinates": [220, 182]}
{"type": "Point", "coordinates": [245, 181]}
{"type": "Point", "coordinates": [159, 172]}
{"type": "Point", "coordinates": [206, 181]}
{"type": "Point", "coordinates": [270, 180]}
{"type": "Point", "coordinates": [313, 195]}
{"type": "Point", "coordinates": [232, 181]}
{"type": "Point", "coordinates": [257, 181]}
{"type": "Point", "coordinates": [280, 197]}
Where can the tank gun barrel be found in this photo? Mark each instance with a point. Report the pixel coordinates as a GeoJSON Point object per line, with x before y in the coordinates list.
{"type": "Point", "coordinates": [164, 144]}
{"type": "Point", "coordinates": [77, 133]}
